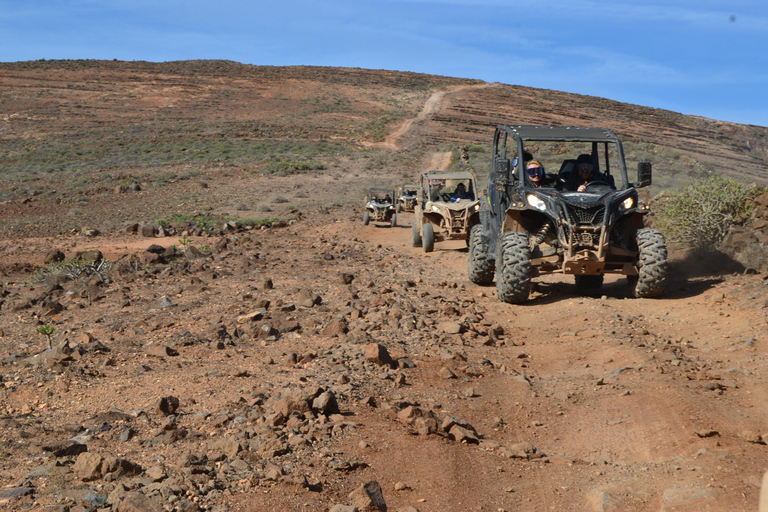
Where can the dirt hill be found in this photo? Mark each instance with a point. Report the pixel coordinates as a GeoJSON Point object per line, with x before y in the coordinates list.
{"type": "Point", "coordinates": [252, 346]}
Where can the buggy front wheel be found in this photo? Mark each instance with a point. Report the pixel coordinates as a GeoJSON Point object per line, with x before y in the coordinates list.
{"type": "Point", "coordinates": [652, 262]}
{"type": "Point", "coordinates": [366, 218]}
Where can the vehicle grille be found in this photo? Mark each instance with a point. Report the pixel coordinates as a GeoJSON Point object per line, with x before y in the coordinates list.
{"type": "Point", "coordinates": [586, 239]}
{"type": "Point", "coordinates": [592, 216]}
{"type": "Point", "coordinates": [458, 219]}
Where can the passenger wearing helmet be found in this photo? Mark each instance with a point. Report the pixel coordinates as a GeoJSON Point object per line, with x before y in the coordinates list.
{"type": "Point", "coordinates": [535, 174]}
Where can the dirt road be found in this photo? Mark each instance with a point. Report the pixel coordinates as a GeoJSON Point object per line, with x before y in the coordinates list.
{"type": "Point", "coordinates": [570, 402]}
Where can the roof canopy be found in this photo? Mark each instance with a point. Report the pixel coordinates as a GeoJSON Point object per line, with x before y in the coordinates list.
{"type": "Point", "coordinates": [560, 133]}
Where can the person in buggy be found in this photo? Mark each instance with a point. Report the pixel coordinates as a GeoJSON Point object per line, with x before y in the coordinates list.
{"type": "Point", "coordinates": [387, 199]}
{"type": "Point", "coordinates": [584, 174]}
{"type": "Point", "coordinates": [536, 175]}
{"type": "Point", "coordinates": [461, 193]}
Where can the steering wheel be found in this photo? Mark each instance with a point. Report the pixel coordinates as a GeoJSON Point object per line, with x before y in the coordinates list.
{"type": "Point", "coordinates": [446, 197]}
{"type": "Point", "coordinates": [597, 183]}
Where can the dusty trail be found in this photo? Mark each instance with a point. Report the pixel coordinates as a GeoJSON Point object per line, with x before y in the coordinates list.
{"type": "Point", "coordinates": [431, 106]}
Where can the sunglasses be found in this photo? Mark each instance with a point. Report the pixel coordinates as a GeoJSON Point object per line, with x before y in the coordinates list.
{"type": "Point", "coordinates": [585, 167]}
{"type": "Point", "coordinates": [535, 171]}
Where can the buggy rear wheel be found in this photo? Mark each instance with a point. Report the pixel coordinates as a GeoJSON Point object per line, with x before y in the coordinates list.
{"type": "Point", "coordinates": [589, 283]}
{"type": "Point", "coordinates": [513, 268]}
{"type": "Point", "coordinates": [428, 237]}
{"type": "Point", "coordinates": [415, 236]}
{"type": "Point", "coordinates": [480, 265]}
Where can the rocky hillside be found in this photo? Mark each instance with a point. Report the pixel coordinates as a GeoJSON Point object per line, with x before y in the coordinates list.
{"type": "Point", "coordinates": [224, 333]}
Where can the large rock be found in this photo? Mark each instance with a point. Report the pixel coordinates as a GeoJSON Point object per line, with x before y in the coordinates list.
{"type": "Point", "coordinates": [91, 466]}
{"type": "Point", "coordinates": [335, 327]}
{"type": "Point", "coordinates": [137, 502]}
{"type": "Point", "coordinates": [368, 498]}
{"type": "Point", "coordinates": [378, 354]}
{"type": "Point", "coordinates": [166, 405]}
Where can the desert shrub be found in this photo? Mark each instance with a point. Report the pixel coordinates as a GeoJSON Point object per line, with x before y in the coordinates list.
{"type": "Point", "coordinates": [74, 269]}
{"type": "Point", "coordinates": [263, 208]}
{"type": "Point", "coordinates": [278, 199]}
{"type": "Point", "coordinates": [250, 221]}
{"type": "Point", "coordinates": [701, 213]}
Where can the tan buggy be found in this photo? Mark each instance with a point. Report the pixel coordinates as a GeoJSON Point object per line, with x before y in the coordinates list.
{"type": "Point", "coordinates": [444, 211]}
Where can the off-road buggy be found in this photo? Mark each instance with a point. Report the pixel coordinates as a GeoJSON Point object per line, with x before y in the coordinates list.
{"type": "Point", "coordinates": [526, 231]}
{"type": "Point", "coordinates": [380, 206]}
{"type": "Point", "coordinates": [409, 194]}
{"type": "Point", "coordinates": [439, 215]}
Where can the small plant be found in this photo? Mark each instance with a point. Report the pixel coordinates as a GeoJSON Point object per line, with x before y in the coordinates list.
{"type": "Point", "coordinates": [46, 330]}
{"type": "Point", "coordinates": [75, 269]}
{"type": "Point", "coordinates": [185, 242]}
{"type": "Point", "coordinates": [205, 248]}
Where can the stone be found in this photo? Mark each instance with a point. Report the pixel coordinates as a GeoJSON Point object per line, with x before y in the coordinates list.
{"type": "Point", "coordinates": [54, 257]}
{"type": "Point", "coordinates": [288, 404]}
{"type": "Point", "coordinates": [326, 403]}
{"type": "Point", "coordinates": [344, 508]}
{"type": "Point", "coordinates": [137, 502]}
{"type": "Point", "coordinates": [449, 327]}
{"type": "Point", "coordinates": [335, 327]}
{"type": "Point", "coordinates": [368, 498]}
{"type": "Point", "coordinates": [166, 405]}
{"type": "Point", "coordinates": [92, 466]}
{"type": "Point", "coordinates": [229, 446]}
{"type": "Point", "coordinates": [684, 499]}
{"type": "Point", "coordinates": [378, 354]}
{"type": "Point", "coordinates": [462, 435]}
{"type": "Point", "coordinates": [446, 373]}
{"type": "Point", "coordinates": [156, 473]}
{"type": "Point", "coordinates": [522, 450]}
{"type": "Point", "coordinates": [160, 351]}
{"type": "Point", "coordinates": [88, 466]}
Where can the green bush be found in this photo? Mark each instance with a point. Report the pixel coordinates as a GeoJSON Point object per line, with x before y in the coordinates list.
{"type": "Point", "coordinates": [701, 213]}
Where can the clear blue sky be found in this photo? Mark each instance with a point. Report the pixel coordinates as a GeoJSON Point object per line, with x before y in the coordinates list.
{"type": "Point", "coordinates": [699, 57]}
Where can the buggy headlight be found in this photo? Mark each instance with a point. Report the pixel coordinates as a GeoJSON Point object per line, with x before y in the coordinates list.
{"type": "Point", "coordinates": [627, 203]}
{"type": "Point", "coordinates": [435, 209]}
{"type": "Point", "coordinates": [391, 207]}
{"type": "Point", "coordinates": [536, 202]}
{"type": "Point", "coordinates": [477, 207]}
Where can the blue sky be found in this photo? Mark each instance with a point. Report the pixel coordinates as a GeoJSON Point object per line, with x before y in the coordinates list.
{"type": "Point", "coordinates": [698, 57]}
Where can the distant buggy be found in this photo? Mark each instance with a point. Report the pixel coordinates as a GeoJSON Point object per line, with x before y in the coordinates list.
{"type": "Point", "coordinates": [585, 227]}
{"type": "Point", "coordinates": [409, 194]}
{"type": "Point", "coordinates": [380, 207]}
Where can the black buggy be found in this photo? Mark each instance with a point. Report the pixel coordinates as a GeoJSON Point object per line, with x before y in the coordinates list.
{"type": "Point", "coordinates": [380, 207]}
{"type": "Point", "coordinates": [526, 231]}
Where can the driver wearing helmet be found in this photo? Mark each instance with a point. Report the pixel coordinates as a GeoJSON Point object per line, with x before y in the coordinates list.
{"type": "Point", "coordinates": [584, 174]}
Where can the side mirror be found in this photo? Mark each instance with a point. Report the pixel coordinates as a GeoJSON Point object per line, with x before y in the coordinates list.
{"type": "Point", "coordinates": [644, 175]}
